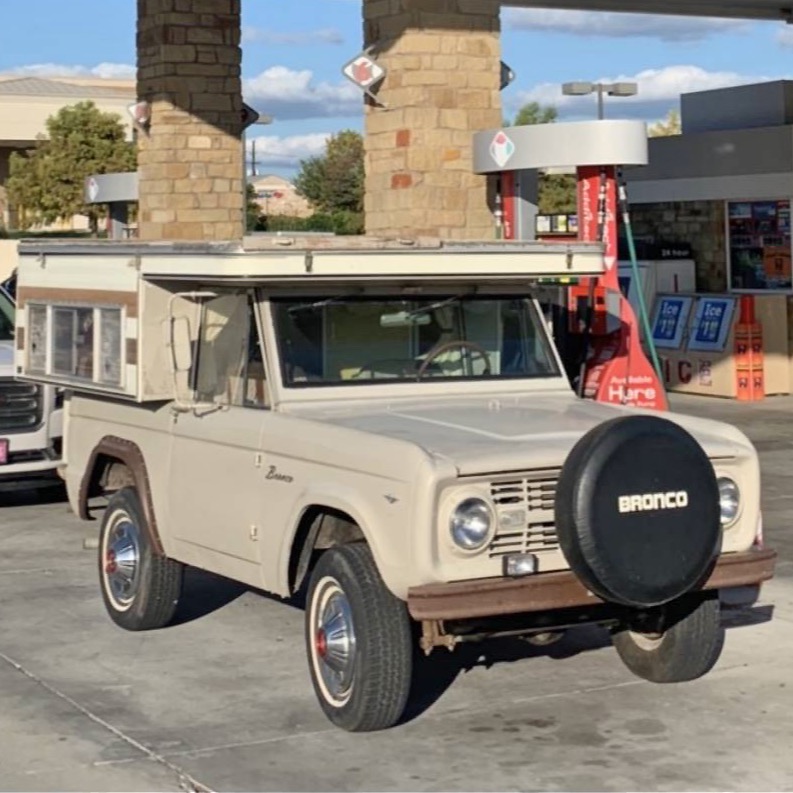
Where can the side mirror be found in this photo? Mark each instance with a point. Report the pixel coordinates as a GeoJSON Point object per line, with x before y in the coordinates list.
{"type": "Point", "coordinates": [181, 345]}
{"type": "Point", "coordinates": [180, 341]}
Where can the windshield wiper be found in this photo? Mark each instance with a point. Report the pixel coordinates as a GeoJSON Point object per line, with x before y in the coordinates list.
{"type": "Point", "coordinates": [330, 301]}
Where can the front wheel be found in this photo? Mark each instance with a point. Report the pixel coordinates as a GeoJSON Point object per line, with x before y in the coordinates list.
{"type": "Point", "coordinates": [140, 587]}
{"type": "Point", "coordinates": [358, 642]}
{"type": "Point", "coordinates": [686, 646]}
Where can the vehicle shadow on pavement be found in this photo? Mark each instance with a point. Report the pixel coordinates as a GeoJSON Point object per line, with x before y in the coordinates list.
{"type": "Point", "coordinates": [435, 673]}
{"type": "Point", "coordinates": [204, 593]}
{"type": "Point", "coordinates": [747, 616]}
{"type": "Point", "coordinates": [18, 494]}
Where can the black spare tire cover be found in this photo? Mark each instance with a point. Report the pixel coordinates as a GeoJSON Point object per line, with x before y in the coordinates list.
{"type": "Point", "coordinates": [637, 511]}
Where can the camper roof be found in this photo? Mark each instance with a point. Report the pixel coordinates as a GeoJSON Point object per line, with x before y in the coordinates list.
{"type": "Point", "coordinates": [286, 258]}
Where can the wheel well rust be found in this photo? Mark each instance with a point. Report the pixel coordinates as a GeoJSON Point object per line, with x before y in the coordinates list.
{"type": "Point", "coordinates": [320, 528]}
{"type": "Point", "coordinates": [116, 463]}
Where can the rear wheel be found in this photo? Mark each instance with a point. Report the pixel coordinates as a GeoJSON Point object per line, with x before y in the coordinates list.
{"type": "Point", "coordinates": [140, 587]}
{"type": "Point", "coordinates": [358, 642]}
{"type": "Point", "coordinates": [686, 645]}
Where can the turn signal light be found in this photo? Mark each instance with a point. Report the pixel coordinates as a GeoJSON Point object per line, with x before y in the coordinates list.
{"type": "Point", "coordinates": [519, 564]}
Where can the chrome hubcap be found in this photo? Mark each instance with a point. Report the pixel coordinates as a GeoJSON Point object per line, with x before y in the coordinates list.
{"type": "Point", "coordinates": [121, 559]}
{"type": "Point", "coordinates": [333, 641]}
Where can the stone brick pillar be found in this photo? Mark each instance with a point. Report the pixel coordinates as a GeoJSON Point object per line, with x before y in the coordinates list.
{"type": "Point", "coordinates": [191, 160]}
{"type": "Point", "coordinates": [443, 58]}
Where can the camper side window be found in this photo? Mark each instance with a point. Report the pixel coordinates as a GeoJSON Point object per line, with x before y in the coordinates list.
{"type": "Point", "coordinates": [230, 365]}
{"type": "Point", "coordinates": [77, 343]}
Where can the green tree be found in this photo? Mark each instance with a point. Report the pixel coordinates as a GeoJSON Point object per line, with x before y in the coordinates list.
{"type": "Point", "coordinates": [47, 183]}
{"type": "Point", "coordinates": [334, 181]}
{"type": "Point", "coordinates": [557, 192]}
{"type": "Point", "coordinates": [253, 212]}
{"type": "Point", "coordinates": [535, 113]}
{"type": "Point", "coordinates": [671, 125]}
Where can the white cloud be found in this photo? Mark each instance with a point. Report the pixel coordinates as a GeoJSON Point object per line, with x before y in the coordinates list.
{"type": "Point", "coordinates": [784, 36]}
{"type": "Point", "coordinates": [252, 35]}
{"type": "Point", "coordinates": [281, 92]}
{"type": "Point", "coordinates": [619, 25]}
{"type": "Point", "coordinates": [659, 91]}
{"type": "Point", "coordinates": [115, 71]}
{"type": "Point", "coordinates": [285, 152]}
{"type": "Point", "coordinates": [287, 94]}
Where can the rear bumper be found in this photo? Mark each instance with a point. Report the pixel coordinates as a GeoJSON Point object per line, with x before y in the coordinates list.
{"type": "Point", "coordinates": [549, 591]}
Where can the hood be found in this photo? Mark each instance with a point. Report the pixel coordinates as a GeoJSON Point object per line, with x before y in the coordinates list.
{"type": "Point", "coordinates": [510, 433]}
{"type": "Point", "coordinates": [6, 358]}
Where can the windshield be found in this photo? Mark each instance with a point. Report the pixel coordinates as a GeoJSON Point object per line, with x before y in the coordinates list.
{"type": "Point", "coordinates": [353, 340]}
{"type": "Point", "coordinates": [6, 317]}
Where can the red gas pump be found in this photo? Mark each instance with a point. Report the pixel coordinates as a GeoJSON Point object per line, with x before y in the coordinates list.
{"type": "Point", "coordinates": [506, 209]}
{"type": "Point", "coordinates": [615, 368]}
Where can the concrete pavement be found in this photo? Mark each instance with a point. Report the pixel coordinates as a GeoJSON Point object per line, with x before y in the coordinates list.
{"type": "Point", "coordinates": [222, 701]}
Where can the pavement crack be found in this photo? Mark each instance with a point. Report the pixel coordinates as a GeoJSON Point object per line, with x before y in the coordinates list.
{"type": "Point", "coordinates": [186, 782]}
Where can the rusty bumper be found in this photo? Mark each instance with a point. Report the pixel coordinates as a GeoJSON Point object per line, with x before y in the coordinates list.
{"type": "Point", "coordinates": [548, 591]}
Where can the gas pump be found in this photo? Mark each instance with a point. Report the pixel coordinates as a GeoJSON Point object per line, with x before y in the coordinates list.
{"type": "Point", "coordinates": [614, 367]}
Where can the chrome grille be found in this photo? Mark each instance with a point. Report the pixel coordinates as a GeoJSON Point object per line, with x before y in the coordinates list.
{"type": "Point", "coordinates": [525, 509]}
{"type": "Point", "coordinates": [20, 406]}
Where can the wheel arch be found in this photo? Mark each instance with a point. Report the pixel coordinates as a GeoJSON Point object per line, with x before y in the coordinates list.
{"type": "Point", "coordinates": [321, 523]}
{"type": "Point", "coordinates": [120, 461]}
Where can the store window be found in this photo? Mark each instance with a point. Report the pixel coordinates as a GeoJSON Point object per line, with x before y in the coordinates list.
{"type": "Point", "coordinates": [760, 245]}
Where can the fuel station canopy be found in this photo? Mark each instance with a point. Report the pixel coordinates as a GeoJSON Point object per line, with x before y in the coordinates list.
{"type": "Point", "coordinates": [739, 9]}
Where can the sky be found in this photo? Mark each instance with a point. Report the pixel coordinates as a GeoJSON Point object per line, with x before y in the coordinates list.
{"type": "Point", "coordinates": [293, 52]}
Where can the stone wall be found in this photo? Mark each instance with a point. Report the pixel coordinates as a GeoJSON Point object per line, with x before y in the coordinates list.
{"type": "Point", "coordinates": [191, 160]}
{"type": "Point", "coordinates": [443, 58]}
{"type": "Point", "coordinates": [701, 224]}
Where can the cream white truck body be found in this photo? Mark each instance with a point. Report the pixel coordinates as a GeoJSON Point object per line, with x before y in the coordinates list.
{"type": "Point", "coordinates": [233, 480]}
{"type": "Point", "coordinates": [30, 416]}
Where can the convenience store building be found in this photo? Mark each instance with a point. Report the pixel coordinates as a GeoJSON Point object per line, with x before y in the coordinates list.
{"type": "Point", "coordinates": [723, 188]}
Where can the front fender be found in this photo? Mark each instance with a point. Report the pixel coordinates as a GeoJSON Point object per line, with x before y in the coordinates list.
{"type": "Point", "coordinates": [385, 526]}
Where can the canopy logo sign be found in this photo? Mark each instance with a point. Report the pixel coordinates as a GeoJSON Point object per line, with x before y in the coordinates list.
{"type": "Point", "coordinates": [502, 149]}
{"type": "Point", "coordinates": [364, 72]}
{"type": "Point", "coordinates": [93, 189]}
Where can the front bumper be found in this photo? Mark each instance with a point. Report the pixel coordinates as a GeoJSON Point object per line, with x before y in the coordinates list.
{"type": "Point", "coordinates": [492, 597]}
{"type": "Point", "coordinates": [45, 466]}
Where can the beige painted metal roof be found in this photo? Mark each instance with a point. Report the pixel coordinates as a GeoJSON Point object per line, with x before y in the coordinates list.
{"type": "Point", "coordinates": [27, 102]}
{"type": "Point", "coordinates": [747, 9]}
{"type": "Point", "coordinates": [37, 86]}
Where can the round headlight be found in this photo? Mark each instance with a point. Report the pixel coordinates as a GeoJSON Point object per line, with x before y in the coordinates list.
{"type": "Point", "coordinates": [729, 501]}
{"type": "Point", "coordinates": [470, 524]}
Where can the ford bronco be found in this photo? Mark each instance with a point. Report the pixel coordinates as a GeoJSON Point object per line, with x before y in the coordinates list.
{"type": "Point", "coordinates": [387, 427]}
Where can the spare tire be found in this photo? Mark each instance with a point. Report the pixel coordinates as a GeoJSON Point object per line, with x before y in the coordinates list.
{"type": "Point", "coordinates": [637, 511]}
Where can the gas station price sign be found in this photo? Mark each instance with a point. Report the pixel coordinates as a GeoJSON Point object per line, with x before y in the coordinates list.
{"type": "Point", "coordinates": [671, 318]}
{"type": "Point", "coordinates": [712, 323]}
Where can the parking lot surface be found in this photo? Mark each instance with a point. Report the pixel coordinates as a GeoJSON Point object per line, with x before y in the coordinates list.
{"type": "Point", "coordinates": [222, 701]}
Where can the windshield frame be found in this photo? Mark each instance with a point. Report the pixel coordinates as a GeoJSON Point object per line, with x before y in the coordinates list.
{"type": "Point", "coordinates": [8, 309]}
{"type": "Point", "coordinates": [411, 387]}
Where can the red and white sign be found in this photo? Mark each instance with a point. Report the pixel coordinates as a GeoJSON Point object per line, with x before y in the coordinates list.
{"type": "Point", "coordinates": [364, 71]}
{"type": "Point", "coordinates": [501, 149]}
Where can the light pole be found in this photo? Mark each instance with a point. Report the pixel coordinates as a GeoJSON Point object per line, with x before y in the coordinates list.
{"type": "Point", "coordinates": [262, 120]}
{"type": "Point", "coordinates": [612, 89]}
